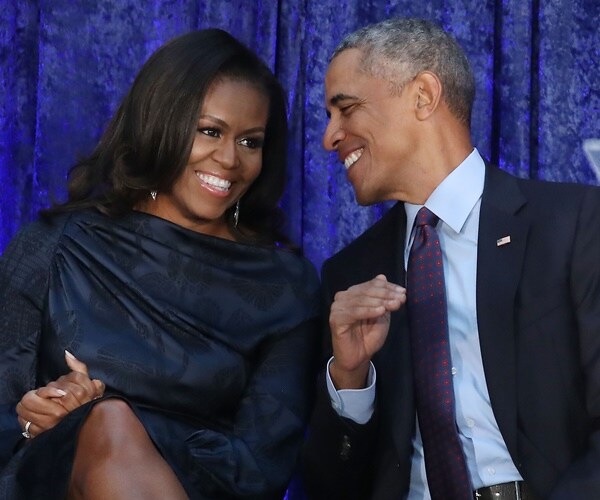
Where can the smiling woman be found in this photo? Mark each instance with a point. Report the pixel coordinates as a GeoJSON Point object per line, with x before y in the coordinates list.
{"type": "Point", "coordinates": [152, 142]}
{"type": "Point", "coordinates": [225, 160]}
{"type": "Point", "coordinates": [157, 329]}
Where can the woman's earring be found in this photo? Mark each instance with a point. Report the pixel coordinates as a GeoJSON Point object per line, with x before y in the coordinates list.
{"type": "Point", "coordinates": [153, 194]}
{"type": "Point", "coordinates": [236, 214]}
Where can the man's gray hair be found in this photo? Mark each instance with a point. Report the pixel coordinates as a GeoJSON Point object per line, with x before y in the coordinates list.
{"type": "Point", "coordinates": [399, 49]}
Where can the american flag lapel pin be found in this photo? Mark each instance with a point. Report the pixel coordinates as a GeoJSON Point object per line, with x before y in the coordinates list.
{"type": "Point", "coordinates": [503, 241]}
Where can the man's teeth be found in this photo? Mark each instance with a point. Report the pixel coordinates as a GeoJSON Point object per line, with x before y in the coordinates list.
{"type": "Point", "coordinates": [215, 182]}
{"type": "Point", "coordinates": [353, 157]}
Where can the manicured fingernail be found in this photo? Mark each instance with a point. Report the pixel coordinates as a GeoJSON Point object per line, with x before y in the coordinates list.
{"type": "Point", "coordinates": [61, 392]}
{"type": "Point", "coordinates": [69, 354]}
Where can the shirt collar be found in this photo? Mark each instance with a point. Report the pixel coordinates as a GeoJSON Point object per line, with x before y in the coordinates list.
{"type": "Point", "coordinates": [454, 198]}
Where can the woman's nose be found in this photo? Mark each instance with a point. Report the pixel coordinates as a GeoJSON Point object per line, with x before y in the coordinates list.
{"type": "Point", "coordinates": [226, 154]}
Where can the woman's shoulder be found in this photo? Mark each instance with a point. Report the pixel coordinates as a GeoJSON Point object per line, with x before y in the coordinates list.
{"type": "Point", "coordinates": [298, 272]}
{"type": "Point", "coordinates": [39, 236]}
{"type": "Point", "coordinates": [298, 265]}
{"type": "Point", "coordinates": [26, 261]}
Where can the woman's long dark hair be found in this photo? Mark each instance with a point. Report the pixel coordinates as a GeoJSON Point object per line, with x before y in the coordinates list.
{"type": "Point", "coordinates": [147, 144]}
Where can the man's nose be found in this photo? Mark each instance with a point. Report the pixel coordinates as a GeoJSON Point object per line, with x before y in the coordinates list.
{"type": "Point", "coordinates": [333, 135]}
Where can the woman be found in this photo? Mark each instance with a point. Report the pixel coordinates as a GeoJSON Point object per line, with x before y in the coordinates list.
{"type": "Point", "coordinates": [156, 332]}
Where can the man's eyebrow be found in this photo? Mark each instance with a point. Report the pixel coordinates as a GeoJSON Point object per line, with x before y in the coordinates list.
{"type": "Point", "coordinates": [335, 100]}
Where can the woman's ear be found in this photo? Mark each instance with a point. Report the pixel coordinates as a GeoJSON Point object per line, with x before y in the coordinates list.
{"type": "Point", "coordinates": [429, 94]}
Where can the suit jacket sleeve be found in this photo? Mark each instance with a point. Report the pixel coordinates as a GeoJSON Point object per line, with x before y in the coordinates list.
{"type": "Point", "coordinates": [582, 479]}
{"type": "Point", "coordinates": [336, 461]}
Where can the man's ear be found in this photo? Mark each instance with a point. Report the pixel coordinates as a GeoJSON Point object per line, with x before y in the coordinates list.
{"type": "Point", "coordinates": [429, 94]}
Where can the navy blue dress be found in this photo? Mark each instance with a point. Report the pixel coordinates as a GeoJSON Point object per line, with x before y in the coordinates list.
{"type": "Point", "coordinates": [210, 341]}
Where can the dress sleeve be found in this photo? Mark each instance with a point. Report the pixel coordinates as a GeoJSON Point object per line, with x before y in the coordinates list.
{"type": "Point", "coordinates": [23, 289]}
{"type": "Point", "coordinates": [257, 457]}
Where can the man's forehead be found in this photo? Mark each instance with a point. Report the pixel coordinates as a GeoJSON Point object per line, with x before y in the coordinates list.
{"type": "Point", "coordinates": [342, 73]}
{"type": "Point", "coordinates": [348, 60]}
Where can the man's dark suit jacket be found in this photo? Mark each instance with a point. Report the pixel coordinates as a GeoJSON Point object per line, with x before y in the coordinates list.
{"type": "Point", "coordinates": [538, 312]}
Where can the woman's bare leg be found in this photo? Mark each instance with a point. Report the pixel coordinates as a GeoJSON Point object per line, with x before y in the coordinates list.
{"type": "Point", "coordinates": [116, 459]}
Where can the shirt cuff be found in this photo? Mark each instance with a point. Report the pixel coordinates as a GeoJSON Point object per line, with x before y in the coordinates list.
{"type": "Point", "coordinates": [356, 404]}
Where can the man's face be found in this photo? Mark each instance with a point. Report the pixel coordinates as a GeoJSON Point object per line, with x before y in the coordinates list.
{"type": "Point", "coordinates": [373, 131]}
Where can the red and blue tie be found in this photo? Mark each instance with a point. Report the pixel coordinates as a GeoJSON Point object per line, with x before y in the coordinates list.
{"type": "Point", "coordinates": [447, 473]}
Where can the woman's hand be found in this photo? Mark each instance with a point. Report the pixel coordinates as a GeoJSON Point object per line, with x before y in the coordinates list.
{"type": "Point", "coordinates": [47, 406]}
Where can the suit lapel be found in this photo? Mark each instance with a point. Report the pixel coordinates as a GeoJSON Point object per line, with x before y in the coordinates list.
{"type": "Point", "coordinates": [385, 243]}
{"type": "Point", "coordinates": [498, 271]}
{"type": "Point", "coordinates": [393, 361]}
{"type": "Point", "coordinates": [498, 274]}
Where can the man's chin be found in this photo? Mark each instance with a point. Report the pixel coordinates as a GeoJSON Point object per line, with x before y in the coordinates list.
{"type": "Point", "coordinates": [365, 196]}
{"type": "Point", "coordinates": [364, 200]}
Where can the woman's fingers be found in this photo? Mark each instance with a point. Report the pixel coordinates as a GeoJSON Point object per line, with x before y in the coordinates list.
{"type": "Point", "coordinates": [100, 388]}
{"type": "Point", "coordinates": [48, 392]}
{"type": "Point", "coordinates": [74, 364]}
{"type": "Point", "coordinates": [77, 385]}
{"type": "Point", "coordinates": [44, 407]}
{"type": "Point", "coordinates": [43, 413]}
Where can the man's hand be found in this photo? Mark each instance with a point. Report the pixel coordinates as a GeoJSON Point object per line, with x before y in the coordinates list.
{"type": "Point", "coordinates": [359, 322]}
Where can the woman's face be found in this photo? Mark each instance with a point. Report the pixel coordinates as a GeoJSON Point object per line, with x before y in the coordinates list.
{"type": "Point", "coordinates": [225, 160]}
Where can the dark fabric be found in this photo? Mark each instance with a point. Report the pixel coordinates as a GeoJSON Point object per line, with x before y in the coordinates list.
{"type": "Point", "coordinates": [333, 439]}
{"type": "Point", "coordinates": [538, 303]}
{"type": "Point", "coordinates": [447, 473]}
{"type": "Point", "coordinates": [373, 458]}
{"type": "Point", "coordinates": [210, 341]}
{"type": "Point", "coordinates": [65, 65]}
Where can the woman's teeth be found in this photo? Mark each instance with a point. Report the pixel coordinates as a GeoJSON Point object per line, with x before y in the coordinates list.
{"type": "Point", "coordinates": [215, 182]}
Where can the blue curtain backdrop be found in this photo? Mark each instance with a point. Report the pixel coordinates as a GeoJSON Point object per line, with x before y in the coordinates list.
{"type": "Point", "coordinates": [64, 66]}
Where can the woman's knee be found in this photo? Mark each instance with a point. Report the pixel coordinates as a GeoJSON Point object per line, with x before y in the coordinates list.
{"type": "Point", "coordinates": [112, 423]}
{"type": "Point", "coordinates": [111, 411]}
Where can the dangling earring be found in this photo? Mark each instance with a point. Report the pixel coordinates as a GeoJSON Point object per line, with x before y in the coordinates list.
{"type": "Point", "coordinates": [153, 194]}
{"type": "Point", "coordinates": [236, 214]}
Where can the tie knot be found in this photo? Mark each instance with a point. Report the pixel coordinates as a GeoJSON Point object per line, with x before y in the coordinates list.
{"type": "Point", "coordinates": [426, 217]}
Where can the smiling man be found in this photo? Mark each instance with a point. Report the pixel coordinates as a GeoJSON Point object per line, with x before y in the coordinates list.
{"type": "Point", "coordinates": [464, 332]}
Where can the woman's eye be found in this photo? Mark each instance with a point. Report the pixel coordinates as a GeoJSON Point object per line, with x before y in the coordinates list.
{"type": "Point", "coordinates": [211, 132]}
{"type": "Point", "coordinates": [251, 142]}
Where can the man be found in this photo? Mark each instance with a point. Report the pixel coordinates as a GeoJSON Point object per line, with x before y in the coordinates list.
{"type": "Point", "coordinates": [520, 285]}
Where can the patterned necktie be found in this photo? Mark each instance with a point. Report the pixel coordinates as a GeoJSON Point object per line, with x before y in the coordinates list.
{"type": "Point", "coordinates": [447, 473]}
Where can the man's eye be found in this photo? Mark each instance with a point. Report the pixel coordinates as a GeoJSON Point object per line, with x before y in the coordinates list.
{"type": "Point", "coordinates": [211, 132]}
{"type": "Point", "coordinates": [346, 109]}
{"type": "Point", "coordinates": [251, 142]}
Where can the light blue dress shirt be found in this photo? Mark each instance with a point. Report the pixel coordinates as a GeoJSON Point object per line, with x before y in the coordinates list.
{"type": "Point", "coordinates": [457, 202]}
